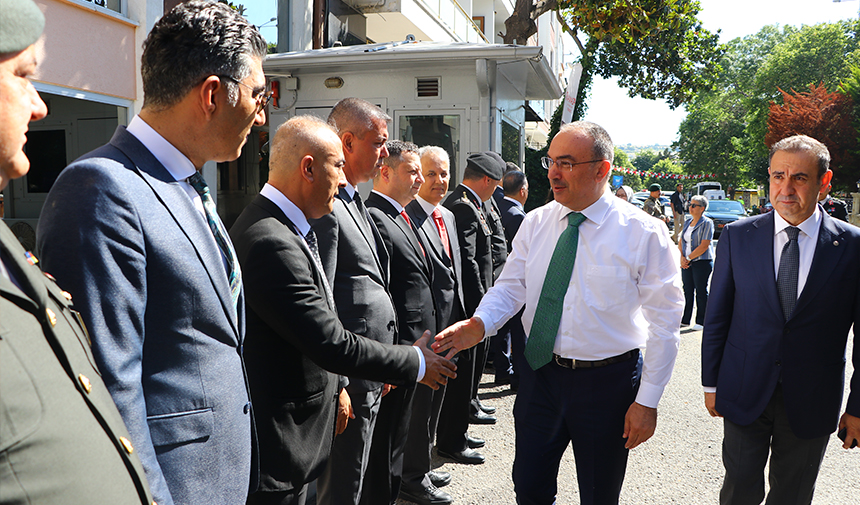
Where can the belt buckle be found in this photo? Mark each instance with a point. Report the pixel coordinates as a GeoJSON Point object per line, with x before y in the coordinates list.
{"type": "Point", "coordinates": [561, 362]}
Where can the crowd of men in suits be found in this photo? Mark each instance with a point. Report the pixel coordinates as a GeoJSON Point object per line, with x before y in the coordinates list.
{"type": "Point", "coordinates": [200, 367]}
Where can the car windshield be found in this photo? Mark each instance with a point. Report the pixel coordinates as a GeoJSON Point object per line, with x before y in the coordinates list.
{"type": "Point", "coordinates": [726, 207]}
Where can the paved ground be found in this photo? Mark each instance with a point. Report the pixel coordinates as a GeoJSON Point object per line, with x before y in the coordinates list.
{"type": "Point", "coordinates": [679, 465]}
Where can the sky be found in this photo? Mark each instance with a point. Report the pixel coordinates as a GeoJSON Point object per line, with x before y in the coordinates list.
{"type": "Point", "coordinates": [644, 122]}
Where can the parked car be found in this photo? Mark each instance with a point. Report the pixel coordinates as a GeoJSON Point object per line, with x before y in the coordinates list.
{"type": "Point", "coordinates": [723, 212]}
{"type": "Point", "coordinates": [639, 201]}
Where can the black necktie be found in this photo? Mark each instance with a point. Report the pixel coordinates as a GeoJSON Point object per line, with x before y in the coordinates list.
{"type": "Point", "coordinates": [311, 241]}
{"type": "Point", "coordinates": [789, 266]}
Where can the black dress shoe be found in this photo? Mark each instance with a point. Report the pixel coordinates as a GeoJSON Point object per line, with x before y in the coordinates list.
{"type": "Point", "coordinates": [484, 408]}
{"type": "Point", "coordinates": [473, 443]}
{"type": "Point", "coordinates": [466, 456]}
{"type": "Point", "coordinates": [481, 418]}
{"type": "Point", "coordinates": [427, 496]}
{"type": "Point", "coordinates": [439, 479]}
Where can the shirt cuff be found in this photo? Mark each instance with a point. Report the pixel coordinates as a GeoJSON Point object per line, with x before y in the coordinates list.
{"type": "Point", "coordinates": [484, 322]}
{"type": "Point", "coordinates": [649, 395]}
{"type": "Point", "coordinates": [422, 365]}
{"type": "Point", "coordinates": [710, 389]}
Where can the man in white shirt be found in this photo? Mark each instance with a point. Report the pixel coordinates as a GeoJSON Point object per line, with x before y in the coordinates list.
{"type": "Point", "coordinates": [784, 294]}
{"type": "Point", "coordinates": [586, 324]}
{"type": "Point", "coordinates": [131, 231]}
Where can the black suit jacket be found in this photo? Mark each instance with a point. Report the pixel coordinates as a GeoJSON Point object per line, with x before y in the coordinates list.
{"type": "Point", "coordinates": [512, 218]}
{"type": "Point", "coordinates": [295, 344]}
{"type": "Point", "coordinates": [474, 236]}
{"type": "Point", "coordinates": [748, 346]}
{"type": "Point", "coordinates": [410, 286]}
{"type": "Point", "coordinates": [447, 288]}
{"type": "Point", "coordinates": [357, 265]}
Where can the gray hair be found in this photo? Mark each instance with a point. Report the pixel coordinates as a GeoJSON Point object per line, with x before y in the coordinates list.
{"type": "Point", "coordinates": [193, 41]}
{"type": "Point", "coordinates": [701, 199]}
{"type": "Point", "coordinates": [602, 147]}
{"type": "Point", "coordinates": [513, 182]}
{"type": "Point", "coordinates": [356, 116]}
{"type": "Point", "coordinates": [435, 152]}
{"type": "Point", "coordinates": [803, 143]}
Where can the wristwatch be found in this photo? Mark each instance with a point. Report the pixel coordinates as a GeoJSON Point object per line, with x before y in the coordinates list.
{"type": "Point", "coordinates": [688, 258]}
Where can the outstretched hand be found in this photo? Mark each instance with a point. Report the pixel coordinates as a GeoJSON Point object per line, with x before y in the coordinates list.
{"type": "Point", "coordinates": [438, 369]}
{"type": "Point", "coordinates": [459, 336]}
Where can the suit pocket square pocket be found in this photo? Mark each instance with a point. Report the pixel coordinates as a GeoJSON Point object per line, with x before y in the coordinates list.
{"type": "Point", "coordinates": [181, 427]}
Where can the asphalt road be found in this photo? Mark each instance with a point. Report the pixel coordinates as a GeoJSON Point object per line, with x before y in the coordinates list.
{"type": "Point", "coordinates": [680, 465]}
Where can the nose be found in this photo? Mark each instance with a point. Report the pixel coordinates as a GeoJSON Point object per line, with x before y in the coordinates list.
{"type": "Point", "coordinates": [341, 178]}
{"type": "Point", "coordinates": [384, 152]}
{"type": "Point", "coordinates": [421, 178]}
{"type": "Point", "coordinates": [39, 109]}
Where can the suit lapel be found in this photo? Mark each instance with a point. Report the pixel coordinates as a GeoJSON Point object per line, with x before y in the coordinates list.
{"type": "Point", "coordinates": [408, 233]}
{"type": "Point", "coordinates": [428, 230]}
{"type": "Point", "coordinates": [184, 214]}
{"type": "Point", "coordinates": [828, 252]}
{"type": "Point", "coordinates": [759, 248]}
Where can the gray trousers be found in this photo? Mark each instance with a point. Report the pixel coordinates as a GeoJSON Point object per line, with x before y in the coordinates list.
{"type": "Point", "coordinates": [794, 462]}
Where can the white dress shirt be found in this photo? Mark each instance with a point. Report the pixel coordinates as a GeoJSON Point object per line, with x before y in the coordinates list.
{"type": "Point", "coordinates": [806, 240]}
{"type": "Point", "coordinates": [626, 287]}
{"type": "Point", "coordinates": [392, 201]}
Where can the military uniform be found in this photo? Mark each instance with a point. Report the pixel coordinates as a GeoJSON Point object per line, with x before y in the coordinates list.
{"type": "Point", "coordinates": [835, 207]}
{"type": "Point", "coordinates": [653, 207]}
{"type": "Point", "coordinates": [62, 440]}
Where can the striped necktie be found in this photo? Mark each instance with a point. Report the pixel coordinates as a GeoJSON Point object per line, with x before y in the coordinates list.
{"type": "Point", "coordinates": [234, 273]}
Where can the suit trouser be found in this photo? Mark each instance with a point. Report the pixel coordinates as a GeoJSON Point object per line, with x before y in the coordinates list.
{"type": "Point", "coordinates": [481, 352]}
{"type": "Point", "coordinates": [695, 278]}
{"type": "Point", "coordinates": [454, 418]}
{"type": "Point", "coordinates": [794, 462]}
{"type": "Point", "coordinates": [558, 406]}
{"type": "Point", "coordinates": [294, 497]}
{"type": "Point", "coordinates": [343, 477]}
{"type": "Point", "coordinates": [678, 224]}
{"type": "Point", "coordinates": [417, 459]}
{"type": "Point", "coordinates": [385, 466]}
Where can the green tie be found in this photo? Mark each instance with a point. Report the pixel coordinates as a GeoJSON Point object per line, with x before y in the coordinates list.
{"type": "Point", "coordinates": [548, 313]}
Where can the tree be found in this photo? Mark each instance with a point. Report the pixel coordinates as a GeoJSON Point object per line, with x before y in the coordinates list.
{"type": "Point", "coordinates": [826, 117]}
{"type": "Point", "coordinates": [623, 161]}
{"type": "Point", "coordinates": [657, 48]}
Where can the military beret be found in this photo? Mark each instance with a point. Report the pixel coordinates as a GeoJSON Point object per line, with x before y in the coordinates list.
{"type": "Point", "coordinates": [655, 187]}
{"type": "Point", "coordinates": [496, 156]}
{"type": "Point", "coordinates": [485, 164]}
{"type": "Point", "coordinates": [21, 24]}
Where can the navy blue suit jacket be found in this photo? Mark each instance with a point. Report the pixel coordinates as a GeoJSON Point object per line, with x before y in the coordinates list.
{"type": "Point", "coordinates": [144, 269]}
{"type": "Point", "coordinates": [748, 346]}
{"type": "Point", "coordinates": [512, 218]}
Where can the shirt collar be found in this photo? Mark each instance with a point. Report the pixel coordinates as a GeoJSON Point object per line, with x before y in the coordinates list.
{"type": "Point", "coordinates": [392, 201]}
{"type": "Point", "coordinates": [473, 192]}
{"type": "Point", "coordinates": [289, 209]}
{"type": "Point", "coordinates": [350, 190]}
{"type": "Point", "coordinates": [514, 201]}
{"type": "Point", "coordinates": [176, 163]}
{"type": "Point", "coordinates": [427, 206]}
{"type": "Point", "coordinates": [595, 212]}
{"type": "Point", "coordinates": [809, 227]}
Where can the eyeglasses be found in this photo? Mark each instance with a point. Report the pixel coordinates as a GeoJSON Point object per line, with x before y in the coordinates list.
{"type": "Point", "coordinates": [262, 97]}
{"type": "Point", "coordinates": [548, 162]}
{"type": "Point", "coordinates": [696, 205]}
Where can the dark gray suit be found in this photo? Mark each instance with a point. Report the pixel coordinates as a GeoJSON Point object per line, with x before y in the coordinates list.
{"type": "Point", "coordinates": [60, 432]}
{"type": "Point", "coordinates": [295, 341]}
{"type": "Point", "coordinates": [357, 265]}
{"type": "Point", "coordinates": [125, 239]}
{"type": "Point", "coordinates": [411, 290]}
{"type": "Point", "coordinates": [448, 293]}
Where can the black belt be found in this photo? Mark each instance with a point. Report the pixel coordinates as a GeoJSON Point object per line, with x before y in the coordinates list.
{"type": "Point", "coordinates": [573, 364]}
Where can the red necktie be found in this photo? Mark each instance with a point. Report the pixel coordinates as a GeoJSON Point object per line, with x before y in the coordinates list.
{"type": "Point", "coordinates": [443, 232]}
{"type": "Point", "coordinates": [406, 217]}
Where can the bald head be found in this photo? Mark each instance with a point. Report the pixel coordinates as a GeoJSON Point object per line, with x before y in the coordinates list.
{"type": "Point", "coordinates": [306, 164]}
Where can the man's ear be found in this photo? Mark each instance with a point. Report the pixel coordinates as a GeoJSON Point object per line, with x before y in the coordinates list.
{"type": "Point", "coordinates": [206, 94]}
{"type": "Point", "coordinates": [306, 166]}
{"type": "Point", "coordinates": [603, 169]}
{"type": "Point", "coordinates": [825, 180]}
{"type": "Point", "coordinates": [348, 141]}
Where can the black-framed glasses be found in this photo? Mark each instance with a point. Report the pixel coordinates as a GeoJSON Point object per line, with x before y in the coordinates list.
{"type": "Point", "coordinates": [696, 205]}
{"type": "Point", "coordinates": [548, 162]}
{"type": "Point", "coordinates": [262, 97]}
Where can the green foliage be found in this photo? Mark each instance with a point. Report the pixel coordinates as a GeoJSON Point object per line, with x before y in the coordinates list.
{"type": "Point", "coordinates": [658, 49]}
{"type": "Point", "coordinates": [623, 161]}
{"type": "Point", "coordinates": [725, 126]}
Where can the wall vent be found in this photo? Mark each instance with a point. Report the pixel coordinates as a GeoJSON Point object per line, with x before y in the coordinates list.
{"type": "Point", "coordinates": [427, 87]}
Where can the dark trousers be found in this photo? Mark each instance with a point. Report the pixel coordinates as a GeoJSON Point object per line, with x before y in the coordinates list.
{"type": "Point", "coordinates": [695, 279]}
{"type": "Point", "coordinates": [385, 466]}
{"type": "Point", "coordinates": [481, 352]}
{"type": "Point", "coordinates": [454, 418]}
{"type": "Point", "coordinates": [419, 442]}
{"type": "Point", "coordinates": [558, 406]}
{"type": "Point", "coordinates": [341, 481]}
{"type": "Point", "coordinates": [794, 462]}
{"type": "Point", "coordinates": [294, 497]}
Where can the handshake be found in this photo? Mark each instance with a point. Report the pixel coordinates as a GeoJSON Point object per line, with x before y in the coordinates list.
{"type": "Point", "coordinates": [455, 338]}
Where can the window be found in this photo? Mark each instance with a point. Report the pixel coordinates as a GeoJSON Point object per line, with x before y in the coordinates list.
{"type": "Point", "coordinates": [434, 130]}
